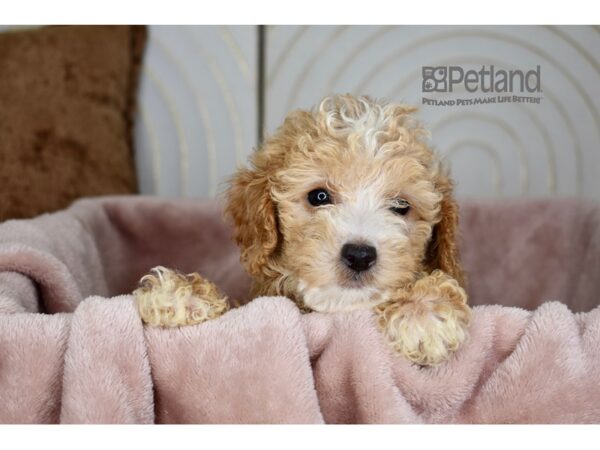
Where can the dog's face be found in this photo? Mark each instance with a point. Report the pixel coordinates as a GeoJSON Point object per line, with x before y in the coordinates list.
{"type": "Point", "coordinates": [343, 206]}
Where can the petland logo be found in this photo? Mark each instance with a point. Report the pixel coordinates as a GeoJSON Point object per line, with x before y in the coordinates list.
{"type": "Point", "coordinates": [488, 80]}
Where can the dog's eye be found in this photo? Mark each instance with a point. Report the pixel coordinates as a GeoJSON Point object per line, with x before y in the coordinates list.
{"type": "Point", "coordinates": [319, 197]}
{"type": "Point", "coordinates": [400, 206]}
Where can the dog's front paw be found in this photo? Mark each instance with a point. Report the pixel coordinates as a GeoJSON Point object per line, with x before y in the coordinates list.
{"type": "Point", "coordinates": [170, 299]}
{"type": "Point", "coordinates": [428, 322]}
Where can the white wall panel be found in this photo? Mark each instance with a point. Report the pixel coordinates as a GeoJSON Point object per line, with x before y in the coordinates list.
{"type": "Point", "coordinates": [197, 108]}
{"type": "Point", "coordinates": [496, 150]}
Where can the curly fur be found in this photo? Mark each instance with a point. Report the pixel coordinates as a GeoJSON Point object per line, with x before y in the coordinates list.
{"type": "Point", "coordinates": [169, 298]}
{"type": "Point", "coordinates": [367, 154]}
{"type": "Point", "coordinates": [426, 319]}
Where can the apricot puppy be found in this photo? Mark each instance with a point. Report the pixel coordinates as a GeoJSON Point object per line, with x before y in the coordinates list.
{"type": "Point", "coordinates": [342, 208]}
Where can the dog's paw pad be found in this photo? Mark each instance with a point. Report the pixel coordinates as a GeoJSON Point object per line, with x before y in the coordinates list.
{"type": "Point", "coordinates": [168, 298]}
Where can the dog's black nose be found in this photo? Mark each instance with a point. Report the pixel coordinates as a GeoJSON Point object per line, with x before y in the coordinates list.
{"type": "Point", "coordinates": [359, 257]}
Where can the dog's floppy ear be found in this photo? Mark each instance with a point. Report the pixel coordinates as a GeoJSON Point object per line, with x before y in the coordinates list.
{"type": "Point", "coordinates": [442, 252]}
{"type": "Point", "coordinates": [249, 199]}
{"type": "Point", "coordinates": [251, 207]}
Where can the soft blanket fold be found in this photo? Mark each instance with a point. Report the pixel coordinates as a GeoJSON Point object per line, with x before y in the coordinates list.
{"type": "Point", "coordinates": [73, 350]}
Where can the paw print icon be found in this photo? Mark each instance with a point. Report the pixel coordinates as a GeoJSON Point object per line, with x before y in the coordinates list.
{"type": "Point", "coordinates": [435, 79]}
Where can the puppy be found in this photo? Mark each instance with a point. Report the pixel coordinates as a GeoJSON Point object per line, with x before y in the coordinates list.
{"type": "Point", "coordinates": [342, 208]}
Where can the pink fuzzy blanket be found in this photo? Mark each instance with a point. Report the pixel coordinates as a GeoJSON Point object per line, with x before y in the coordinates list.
{"type": "Point", "coordinates": [73, 349]}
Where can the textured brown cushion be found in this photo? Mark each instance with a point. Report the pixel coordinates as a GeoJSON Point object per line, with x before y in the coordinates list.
{"type": "Point", "coordinates": [66, 107]}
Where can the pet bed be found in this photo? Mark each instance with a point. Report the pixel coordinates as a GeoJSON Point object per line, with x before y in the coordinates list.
{"type": "Point", "coordinates": [73, 349]}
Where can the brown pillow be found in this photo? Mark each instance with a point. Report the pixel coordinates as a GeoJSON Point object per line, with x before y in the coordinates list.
{"type": "Point", "coordinates": [66, 107]}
